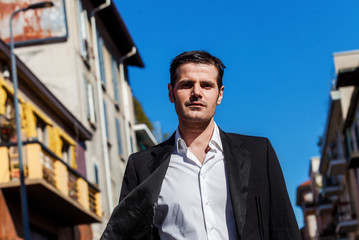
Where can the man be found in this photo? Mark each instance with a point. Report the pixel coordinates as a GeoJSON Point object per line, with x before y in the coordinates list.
{"type": "Point", "coordinates": [202, 183]}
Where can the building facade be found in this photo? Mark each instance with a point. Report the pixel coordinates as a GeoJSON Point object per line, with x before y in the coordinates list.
{"type": "Point", "coordinates": [87, 70]}
{"type": "Point", "coordinates": [336, 200]}
{"type": "Point", "coordinates": [61, 199]}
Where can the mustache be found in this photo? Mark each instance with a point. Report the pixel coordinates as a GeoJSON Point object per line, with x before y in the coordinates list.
{"type": "Point", "coordinates": [191, 102]}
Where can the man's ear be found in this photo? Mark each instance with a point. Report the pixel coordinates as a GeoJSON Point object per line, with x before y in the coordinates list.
{"type": "Point", "coordinates": [220, 95]}
{"type": "Point", "coordinates": [170, 93]}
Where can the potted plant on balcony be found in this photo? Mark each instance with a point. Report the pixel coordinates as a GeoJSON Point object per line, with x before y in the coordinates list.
{"type": "Point", "coordinates": [7, 129]}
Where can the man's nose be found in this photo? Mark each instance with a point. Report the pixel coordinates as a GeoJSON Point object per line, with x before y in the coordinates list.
{"type": "Point", "coordinates": [196, 91]}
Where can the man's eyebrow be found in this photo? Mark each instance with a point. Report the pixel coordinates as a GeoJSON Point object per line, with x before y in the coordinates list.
{"type": "Point", "coordinates": [208, 82]}
{"type": "Point", "coordinates": [185, 81]}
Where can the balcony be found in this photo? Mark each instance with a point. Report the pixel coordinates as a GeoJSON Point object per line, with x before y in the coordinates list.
{"type": "Point", "coordinates": [345, 226]}
{"type": "Point", "coordinates": [52, 185]}
{"type": "Point", "coordinates": [331, 188]}
{"type": "Point", "coordinates": [346, 220]}
{"type": "Point", "coordinates": [337, 167]}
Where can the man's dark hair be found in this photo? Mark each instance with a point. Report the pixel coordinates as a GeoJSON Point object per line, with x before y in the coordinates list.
{"type": "Point", "coordinates": [198, 57]}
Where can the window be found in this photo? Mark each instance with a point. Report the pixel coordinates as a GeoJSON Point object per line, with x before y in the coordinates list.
{"type": "Point", "coordinates": [131, 139]}
{"type": "Point", "coordinates": [106, 123]}
{"type": "Point", "coordinates": [83, 30]}
{"type": "Point", "coordinates": [351, 139]}
{"type": "Point", "coordinates": [96, 173]}
{"type": "Point", "coordinates": [115, 81]}
{"type": "Point", "coordinates": [330, 181]}
{"type": "Point", "coordinates": [7, 118]}
{"type": "Point", "coordinates": [9, 108]}
{"type": "Point", "coordinates": [339, 144]}
{"type": "Point", "coordinates": [356, 135]}
{"type": "Point", "coordinates": [67, 151]}
{"type": "Point", "coordinates": [42, 131]}
{"type": "Point", "coordinates": [349, 143]}
{"type": "Point", "coordinates": [131, 142]}
{"type": "Point", "coordinates": [101, 60]}
{"type": "Point", "coordinates": [90, 101]}
{"type": "Point", "coordinates": [118, 131]}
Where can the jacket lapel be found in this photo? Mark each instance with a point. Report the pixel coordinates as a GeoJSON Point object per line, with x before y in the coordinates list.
{"type": "Point", "coordinates": [162, 153]}
{"type": "Point", "coordinates": [237, 161]}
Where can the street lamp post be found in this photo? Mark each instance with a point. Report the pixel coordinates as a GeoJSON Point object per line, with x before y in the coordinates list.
{"type": "Point", "coordinates": [25, 216]}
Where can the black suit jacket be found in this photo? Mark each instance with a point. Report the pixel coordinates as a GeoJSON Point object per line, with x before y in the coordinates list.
{"type": "Point", "coordinates": [261, 206]}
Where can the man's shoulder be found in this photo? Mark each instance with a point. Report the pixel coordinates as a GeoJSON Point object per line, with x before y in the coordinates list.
{"type": "Point", "coordinates": [245, 139]}
{"type": "Point", "coordinates": [255, 145]}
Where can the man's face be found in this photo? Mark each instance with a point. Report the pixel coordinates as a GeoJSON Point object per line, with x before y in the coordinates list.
{"type": "Point", "coordinates": [195, 94]}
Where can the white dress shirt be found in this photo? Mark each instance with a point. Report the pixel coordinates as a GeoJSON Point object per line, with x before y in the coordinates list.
{"type": "Point", "coordinates": [194, 201]}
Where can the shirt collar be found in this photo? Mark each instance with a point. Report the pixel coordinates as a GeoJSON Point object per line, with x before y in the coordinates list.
{"type": "Point", "coordinates": [214, 143]}
{"type": "Point", "coordinates": [180, 143]}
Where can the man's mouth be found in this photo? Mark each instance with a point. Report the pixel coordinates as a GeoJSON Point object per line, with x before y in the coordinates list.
{"type": "Point", "coordinates": [195, 104]}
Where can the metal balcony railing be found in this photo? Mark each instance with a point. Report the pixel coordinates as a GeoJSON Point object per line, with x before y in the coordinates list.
{"type": "Point", "coordinates": [337, 167]}
{"type": "Point", "coordinates": [93, 199]}
{"type": "Point", "coordinates": [73, 189]}
{"type": "Point", "coordinates": [48, 167]}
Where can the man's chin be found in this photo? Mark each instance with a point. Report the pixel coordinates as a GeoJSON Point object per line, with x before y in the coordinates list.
{"type": "Point", "coordinates": [195, 118]}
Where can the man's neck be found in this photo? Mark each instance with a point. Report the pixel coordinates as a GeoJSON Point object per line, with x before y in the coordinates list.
{"type": "Point", "coordinates": [197, 137]}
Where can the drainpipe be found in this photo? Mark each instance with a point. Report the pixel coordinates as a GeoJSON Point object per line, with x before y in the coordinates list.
{"type": "Point", "coordinates": [125, 96]}
{"type": "Point", "coordinates": [100, 103]}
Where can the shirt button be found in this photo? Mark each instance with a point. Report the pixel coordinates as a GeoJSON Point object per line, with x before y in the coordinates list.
{"type": "Point", "coordinates": [212, 228]}
{"type": "Point", "coordinates": [207, 203]}
{"type": "Point", "coordinates": [204, 176]}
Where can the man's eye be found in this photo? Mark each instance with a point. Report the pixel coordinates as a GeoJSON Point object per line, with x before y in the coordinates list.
{"type": "Point", "coordinates": [207, 86]}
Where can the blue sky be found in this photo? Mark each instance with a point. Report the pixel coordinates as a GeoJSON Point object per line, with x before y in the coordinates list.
{"type": "Point", "coordinates": [279, 58]}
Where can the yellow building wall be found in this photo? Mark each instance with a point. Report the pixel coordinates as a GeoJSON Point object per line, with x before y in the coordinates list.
{"type": "Point", "coordinates": [3, 97]}
{"type": "Point", "coordinates": [4, 165]}
{"type": "Point", "coordinates": [83, 193]}
{"type": "Point", "coordinates": [34, 162]}
{"type": "Point", "coordinates": [55, 142]}
{"type": "Point", "coordinates": [29, 121]}
{"type": "Point", "coordinates": [61, 177]}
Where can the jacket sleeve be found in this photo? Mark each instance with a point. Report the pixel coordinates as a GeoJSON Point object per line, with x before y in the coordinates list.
{"type": "Point", "coordinates": [283, 224]}
{"type": "Point", "coordinates": [129, 181]}
{"type": "Point", "coordinates": [128, 220]}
